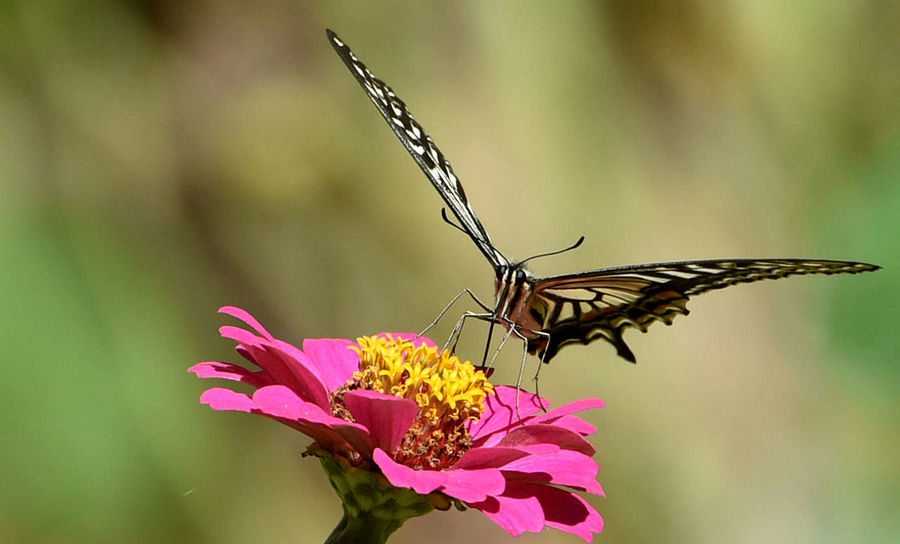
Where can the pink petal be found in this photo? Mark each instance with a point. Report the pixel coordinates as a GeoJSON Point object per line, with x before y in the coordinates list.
{"type": "Point", "coordinates": [245, 316]}
{"type": "Point", "coordinates": [219, 398]}
{"type": "Point", "coordinates": [295, 369]}
{"type": "Point", "coordinates": [572, 423]}
{"type": "Point", "coordinates": [515, 516]}
{"type": "Point", "coordinates": [465, 485]}
{"type": "Point", "coordinates": [571, 513]}
{"type": "Point", "coordinates": [472, 485]}
{"type": "Point", "coordinates": [282, 363]}
{"type": "Point", "coordinates": [500, 412]}
{"type": "Point", "coordinates": [530, 507]}
{"type": "Point", "coordinates": [489, 457]}
{"type": "Point", "coordinates": [333, 360]}
{"type": "Point", "coordinates": [242, 336]}
{"type": "Point", "coordinates": [228, 371]}
{"type": "Point", "coordinates": [385, 416]}
{"type": "Point", "coordinates": [547, 434]}
{"type": "Point", "coordinates": [562, 468]}
{"type": "Point", "coordinates": [282, 403]}
{"type": "Point", "coordinates": [529, 403]}
{"type": "Point", "coordinates": [570, 408]}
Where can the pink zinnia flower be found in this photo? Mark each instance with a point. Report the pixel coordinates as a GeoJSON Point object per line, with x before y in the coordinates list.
{"type": "Point", "coordinates": [395, 407]}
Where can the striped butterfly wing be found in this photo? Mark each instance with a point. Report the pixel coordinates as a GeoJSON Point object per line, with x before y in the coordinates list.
{"type": "Point", "coordinates": [583, 307]}
{"type": "Point", "coordinates": [422, 149]}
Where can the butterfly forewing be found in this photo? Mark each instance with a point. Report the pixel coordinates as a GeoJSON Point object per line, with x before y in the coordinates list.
{"type": "Point", "coordinates": [422, 149]}
{"type": "Point", "coordinates": [583, 307]}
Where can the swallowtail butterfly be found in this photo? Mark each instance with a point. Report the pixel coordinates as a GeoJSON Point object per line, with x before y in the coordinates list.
{"type": "Point", "coordinates": [556, 311]}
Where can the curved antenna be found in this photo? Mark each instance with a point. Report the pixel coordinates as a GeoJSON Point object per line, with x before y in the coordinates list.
{"type": "Point", "coordinates": [557, 252]}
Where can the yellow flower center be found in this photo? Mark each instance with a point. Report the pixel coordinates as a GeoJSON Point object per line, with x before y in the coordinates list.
{"type": "Point", "coordinates": [448, 391]}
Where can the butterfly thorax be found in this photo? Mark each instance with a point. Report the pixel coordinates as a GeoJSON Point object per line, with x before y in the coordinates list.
{"type": "Point", "coordinates": [514, 302]}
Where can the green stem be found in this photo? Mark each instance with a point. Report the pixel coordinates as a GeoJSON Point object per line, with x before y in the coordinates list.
{"type": "Point", "coordinates": [365, 529]}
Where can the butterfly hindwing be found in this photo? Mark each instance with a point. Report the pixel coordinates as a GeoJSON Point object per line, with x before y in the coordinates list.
{"type": "Point", "coordinates": [583, 307]}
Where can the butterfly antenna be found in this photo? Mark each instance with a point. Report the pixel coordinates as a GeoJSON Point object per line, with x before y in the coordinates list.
{"type": "Point", "coordinates": [451, 223]}
{"type": "Point", "coordinates": [557, 252]}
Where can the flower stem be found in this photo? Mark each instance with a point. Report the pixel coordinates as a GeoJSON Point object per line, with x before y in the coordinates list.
{"type": "Point", "coordinates": [365, 529]}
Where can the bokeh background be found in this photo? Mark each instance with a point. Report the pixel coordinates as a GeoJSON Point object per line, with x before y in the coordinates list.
{"type": "Point", "coordinates": [161, 159]}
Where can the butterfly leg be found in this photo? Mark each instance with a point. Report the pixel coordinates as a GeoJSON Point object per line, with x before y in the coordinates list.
{"type": "Point", "coordinates": [515, 330]}
{"type": "Point", "coordinates": [454, 336]}
{"type": "Point", "coordinates": [500, 347]}
{"type": "Point", "coordinates": [459, 295]}
{"type": "Point", "coordinates": [537, 374]}
{"type": "Point", "coordinates": [524, 363]}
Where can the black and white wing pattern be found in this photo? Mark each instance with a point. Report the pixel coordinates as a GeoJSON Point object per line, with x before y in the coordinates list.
{"type": "Point", "coordinates": [576, 308]}
{"type": "Point", "coordinates": [421, 148]}
{"type": "Point", "coordinates": [588, 306]}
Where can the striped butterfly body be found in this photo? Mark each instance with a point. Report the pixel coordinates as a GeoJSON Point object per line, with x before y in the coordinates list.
{"type": "Point", "coordinates": [552, 312]}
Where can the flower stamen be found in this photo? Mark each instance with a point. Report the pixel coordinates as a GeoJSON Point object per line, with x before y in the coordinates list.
{"type": "Point", "coordinates": [448, 391]}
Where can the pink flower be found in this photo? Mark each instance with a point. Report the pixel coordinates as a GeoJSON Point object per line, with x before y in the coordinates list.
{"type": "Point", "coordinates": [453, 433]}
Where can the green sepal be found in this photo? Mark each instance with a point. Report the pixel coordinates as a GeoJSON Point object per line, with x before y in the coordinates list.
{"type": "Point", "coordinates": [373, 508]}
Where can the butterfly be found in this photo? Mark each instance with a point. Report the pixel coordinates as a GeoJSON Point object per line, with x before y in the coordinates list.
{"type": "Point", "coordinates": [552, 312]}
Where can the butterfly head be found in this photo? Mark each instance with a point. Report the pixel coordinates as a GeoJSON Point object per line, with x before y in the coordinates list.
{"type": "Point", "coordinates": [513, 272]}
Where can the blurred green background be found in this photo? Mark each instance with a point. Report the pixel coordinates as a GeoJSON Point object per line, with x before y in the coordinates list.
{"type": "Point", "coordinates": [161, 159]}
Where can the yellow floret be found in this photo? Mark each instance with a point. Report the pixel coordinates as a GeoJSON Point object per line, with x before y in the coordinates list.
{"type": "Point", "coordinates": [439, 382]}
